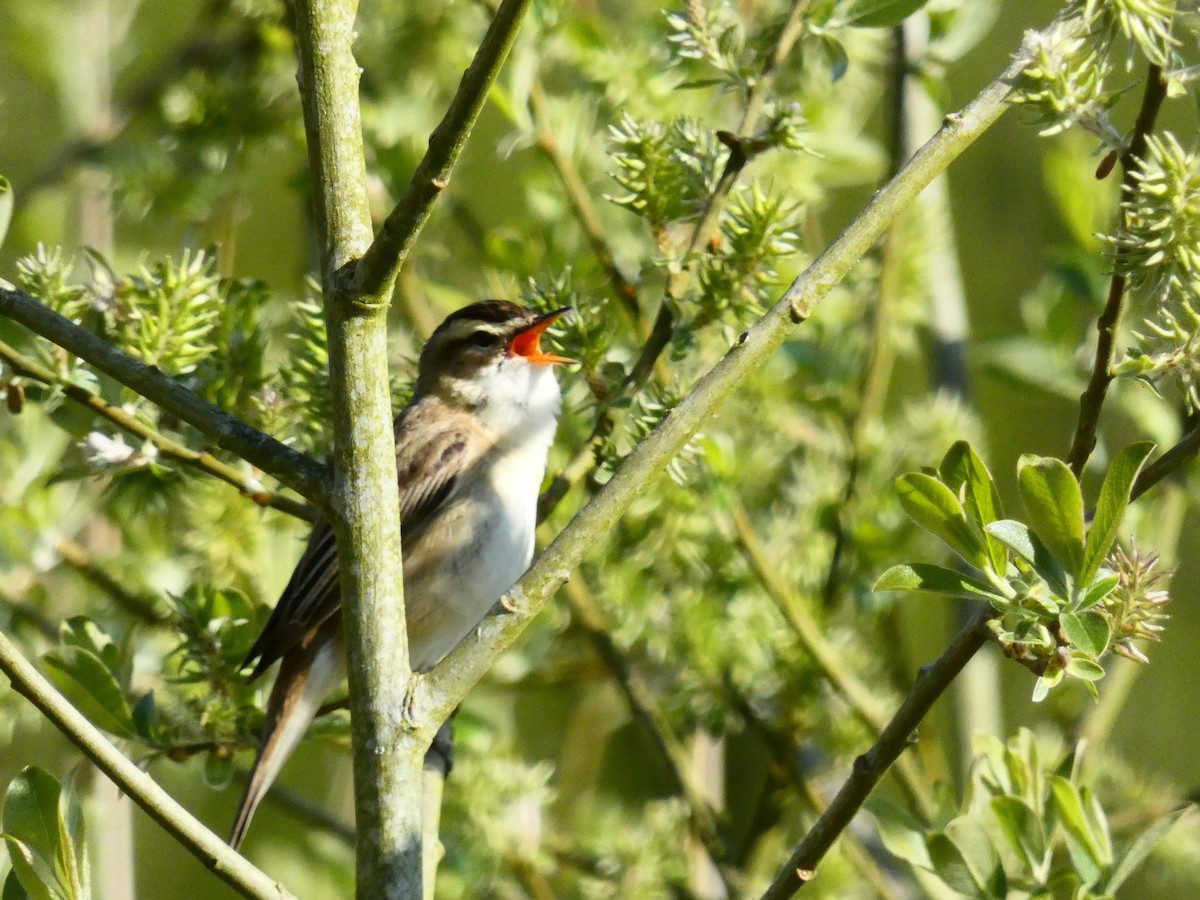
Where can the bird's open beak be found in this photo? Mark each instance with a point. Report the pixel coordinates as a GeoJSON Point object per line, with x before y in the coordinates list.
{"type": "Point", "coordinates": [527, 342]}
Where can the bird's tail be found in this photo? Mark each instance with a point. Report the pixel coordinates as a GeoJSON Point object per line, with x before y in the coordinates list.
{"type": "Point", "coordinates": [306, 676]}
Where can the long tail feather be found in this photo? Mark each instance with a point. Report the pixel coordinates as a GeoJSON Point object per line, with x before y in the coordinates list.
{"type": "Point", "coordinates": [304, 681]}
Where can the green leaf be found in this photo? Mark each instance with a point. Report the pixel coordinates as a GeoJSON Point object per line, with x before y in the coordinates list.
{"type": "Point", "coordinates": [1085, 669]}
{"type": "Point", "coordinates": [901, 833]}
{"type": "Point", "coordinates": [145, 719]}
{"type": "Point", "coordinates": [1088, 631]}
{"type": "Point", "coordinates": [31, 872]}
{"type": "Point", "coordinates": [1017, 537]}
{"type": "Point", "coordinates": [930, 579]}
{"type": "Point", "coordinates": [1100, 589]}
{"type": "Point", "coordinates": [83, 632]}
{"type": "Point", "coordinates": [964, 858]}
{"type": "Point", "coordinates": [1045, 684]}
{"type": "Point", "coordinates": [30, 823]}
{"type": "Point", "coordinates": [91, 687]}
{"type": "Point", "coordinates": [13, 889]}
{"type": "Point", "coordinates": [964, 473]}
{"type": "Point", "coordinates": [1055, 507]}
{"type": "Point", "coordinates": [218, 769]}
{"type": "Point", "coordinates": [30, 812]}
{"type": "Point", "coordinates": [71, 861]}
{"type": "Point", "coordinates": [6, 207]}
{"type": "Point", "coordinates": [1110, 508]}
{"type": "Point", "coordinates": [1142, 847]}
{"type": "Point", "coordinates": [934, 507]}
{"type": "Point", "coordinates": [1021, 825]}
{"type": "Point", "coordinates": [1088, 844]}
{"type": "Point", "coordinates": [879, 13]}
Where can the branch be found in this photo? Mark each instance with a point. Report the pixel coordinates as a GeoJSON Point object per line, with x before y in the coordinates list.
{"type": "Point", "coordinates": [931, 683]}
{"type": "Point", "coordinates": [646, 713]}
{"type": "Point", "coordinates": [623, 289]}
{"type": "Point", "coordinates": [379, 266]}
{"type": "Point", "coordinates": [756, 102]}
{"type": "Point", "coordinates": [143, 608]}
{"type": "Point", "coordinates": [232, 868]}
{"type": "Point", "coordinates": [297, 471]}
{"type": "Point", "coordinates": [364, 507]}
{"type": "Point", "coordinates": [855, 694]}
{"type": "Point", "coordinates": [437, 693]}
{"type": "Point", "coordinates": [1171, 461]}
{"type": "Point", "coordinates": [660, 331]}
{"type": "Point", "coordinates": [1092, 399]}
{"type": "Point", "coordinates": [201, 460]}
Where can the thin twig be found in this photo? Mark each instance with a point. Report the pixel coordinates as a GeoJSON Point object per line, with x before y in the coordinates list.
{"type": "Point", "coordinates": [382, 262]}
{"type": "Point", "coordinates": [297, 471]}
{"type": "Point", "coordinates": [1090, 402]}
{"type": "Point", "coordinates": [143, 608]}
{"type": "Point", "coordinates": [660, 332]}
{"type": "Point", "coordinates": [806, 630]}
{"type": "Point", "coordinates": [870, 767]}
{"type": "Point", "coordinates": [645, 711]}
{"type": "Point", "coordinates": [230, 866]}
{"type": "Point", "coordinates": [205, 462]}
{"type": "Point", "coordinates": [1171, 461]}
{"type": "Point", "coordinates": [623, 289]}
{"type": "Point", "coordinates": [783, 749]}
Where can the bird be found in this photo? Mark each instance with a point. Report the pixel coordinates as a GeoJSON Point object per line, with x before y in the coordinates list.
{"type": "Point", "coordinates": [471, 450]}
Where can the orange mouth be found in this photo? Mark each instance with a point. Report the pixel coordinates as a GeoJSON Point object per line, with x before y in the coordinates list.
{"type": "Point", "coordinates": [527, 343]}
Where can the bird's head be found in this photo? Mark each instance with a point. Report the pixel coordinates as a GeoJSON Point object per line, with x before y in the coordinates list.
{"type": "Point", "coordinates": [487, 358]}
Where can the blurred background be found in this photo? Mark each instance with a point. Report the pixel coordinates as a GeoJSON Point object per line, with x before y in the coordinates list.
{"type": "Point", "coordinates": [144, 130]}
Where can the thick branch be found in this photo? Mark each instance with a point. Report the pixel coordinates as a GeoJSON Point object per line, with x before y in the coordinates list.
{"type": "Point", "coordinates": [291, 467]}
{"type": "Point", "coordinates": [364, 506]}
{"type": "Point", "coordinates": [871, 766]}
{"type": "Point", "coordinates": [377, 270]}
{"type": "Point", "coordinates": [1092, 399]}
{"type": "Point", "coordinates": [196, 459]}
{"type": "Point", "coordinates": [234, 869]}
{"type": "Point", "coordinates": [437, 694]}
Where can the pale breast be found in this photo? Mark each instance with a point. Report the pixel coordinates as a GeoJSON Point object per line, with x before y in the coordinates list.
{"type": "Point", "coordinates": [478, 548]}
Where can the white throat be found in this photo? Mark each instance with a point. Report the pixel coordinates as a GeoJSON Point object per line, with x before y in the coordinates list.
{"type": "Point", "coordinates": [518, 401]}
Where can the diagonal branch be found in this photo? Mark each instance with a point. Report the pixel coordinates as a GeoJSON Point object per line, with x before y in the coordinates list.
{"type": "Point", "coordinates": [808, 633]}
{"type": "Point", "coordinates": [379, 266]}
{"type": "Point", "coordinates": [660, 331]}
{"type": "Point", "coordinates": [1084, 440]}
{"type": "Point", "coordinates": [435, 695]}
{"type": "Point", "coordinates": [297, 471]}
{"type": "Point", "coordinates": [871, 766]}
{"type": "Point", "coordinates": [646, 712]}
{"type": "Point", "coordinates": [196, 459]}
{"type": "Point", "coordinates": [232, 868]}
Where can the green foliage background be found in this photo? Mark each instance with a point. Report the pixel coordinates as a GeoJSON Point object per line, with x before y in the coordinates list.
{"type": "Point", "coordinates": [556, 789]}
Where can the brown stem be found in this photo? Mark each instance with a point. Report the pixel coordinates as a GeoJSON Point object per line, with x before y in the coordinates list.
{"type": "Point", "coordinates": [293, 468]}
{"type": "Point", "coordinates": [1090, 402]}
{"type": "Point", "coordinates": [869, 768]}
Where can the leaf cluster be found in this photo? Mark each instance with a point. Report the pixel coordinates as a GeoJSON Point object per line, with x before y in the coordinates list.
{"type": "Point", "coordinates": [1046, 578]}
{"type": "Point", "coordinates": [1024, 828]}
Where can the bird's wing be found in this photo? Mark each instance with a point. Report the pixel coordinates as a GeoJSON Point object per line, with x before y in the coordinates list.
{"type": "Point", "coordinates": [433, 451]}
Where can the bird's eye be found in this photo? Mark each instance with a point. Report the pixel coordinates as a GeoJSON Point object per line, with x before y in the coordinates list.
{"type": "Point", "coordinates": [483, 340]}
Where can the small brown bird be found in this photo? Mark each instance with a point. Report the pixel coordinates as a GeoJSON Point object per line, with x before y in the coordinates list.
{"type": "Point", "coordinates": [470, 453]}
